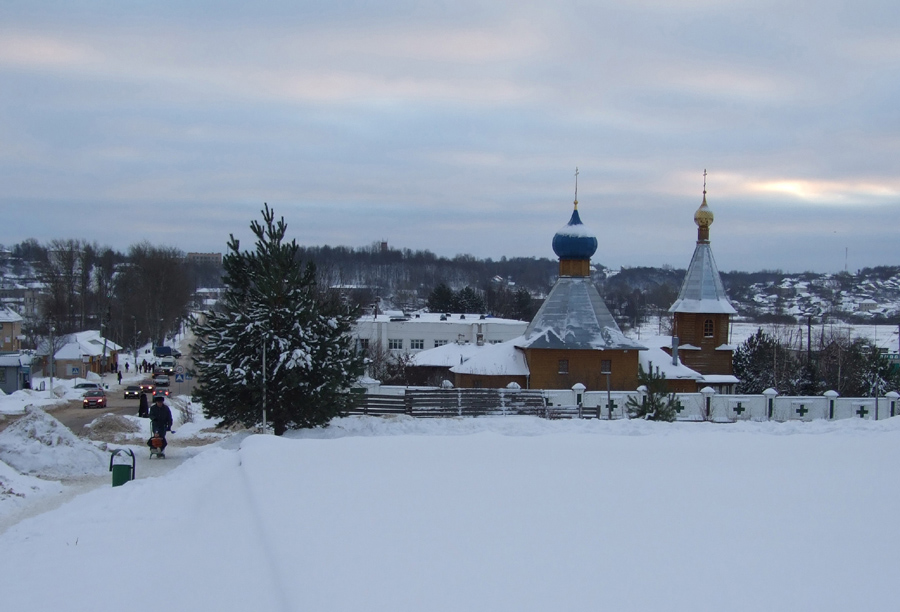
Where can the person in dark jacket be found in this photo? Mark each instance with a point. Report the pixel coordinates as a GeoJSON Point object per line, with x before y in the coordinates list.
{"type": "Point", "coordinates": [144, 406]}
{"type": "Point", "coordinates": [160, 419]}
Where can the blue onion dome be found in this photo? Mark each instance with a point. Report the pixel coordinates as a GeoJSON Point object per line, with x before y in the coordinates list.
{"type": "Point", "coordinates": [574, 241]}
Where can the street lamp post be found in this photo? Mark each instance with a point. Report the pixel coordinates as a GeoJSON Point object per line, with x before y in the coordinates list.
{"type": "Point", "coordinates": [606, 368]}
{"type": "Point", "coordinates": [264, 385]}
{"type": "Point", "coordinates": [52, 329]}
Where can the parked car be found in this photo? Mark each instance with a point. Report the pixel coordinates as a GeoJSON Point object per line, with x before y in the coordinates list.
{"type": "Point", "coordinates": [176, 353]}
{"type": "Point", "coordinates": [87, 385]}
{"type": "Point", "coordinates": [95, 398]}
{"type": "Point", "coordinates": [133, 391]}
{"type": "Point", "coordinates": [147, 385]}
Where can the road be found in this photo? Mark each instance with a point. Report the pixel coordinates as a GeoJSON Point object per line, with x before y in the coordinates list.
{"type": "Point", "coordinates": [74, 416]}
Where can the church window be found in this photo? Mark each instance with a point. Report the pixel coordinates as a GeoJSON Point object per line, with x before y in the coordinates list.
{"type": "Point", "coordinates": [438, 343]}
{"type": "Point", "coordinates": [563, 366]}
{"type": "Point", "coordinates": [395, 344]}
{"type": "Point", "coordinates": [363, 344]}
{"type": "Point", "coordinates": [416, 344]}
{"type": "Point", "coordinates": [708, 328]}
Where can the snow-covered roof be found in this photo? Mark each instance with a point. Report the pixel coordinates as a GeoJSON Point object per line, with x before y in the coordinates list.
{"type": "Point", "coordinates": [446, 356]}
{"type": "Point", "coordinates": [504, 359]}
{"type": "Point", "coordinates": [8, 315]}
{"type": "Point", "coordinates": [574, 316]}
{"type": "Point", "coordinates": [702, 290]}
{"type": "Point", "coordinates": [720, 379]}
{"type": "Point", "coordinates": [11, 360]}
{"type": "Point", "coordinates": [93, 337]}
{"type": "Point", "coordinates": [89, 343]}
{"type": "Point", "coordinates": [656, 358]}
{"type": "Point", "coordinates": [435, 317]}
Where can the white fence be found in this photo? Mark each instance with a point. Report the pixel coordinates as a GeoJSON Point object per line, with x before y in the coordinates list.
{"type": "Point", "coordinates": [710, 406]}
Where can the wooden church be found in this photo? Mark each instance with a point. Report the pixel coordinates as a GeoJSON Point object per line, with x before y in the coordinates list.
{"type": "Point", "coordinates": [572, 339]}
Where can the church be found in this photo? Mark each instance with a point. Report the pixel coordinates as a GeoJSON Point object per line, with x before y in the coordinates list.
{"type": "Point", "coordinates": [574, 338]}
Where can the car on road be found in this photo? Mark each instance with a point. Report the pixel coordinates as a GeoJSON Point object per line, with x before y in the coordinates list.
{"type": "Point", "coordinates": [161, 381]}
{"type": "Point", "coordinates": [163, 393]}
{"type": "Point", "coordinates": [133, 391]}
{"type": "Point", "coordinates": [95, 398]}
{"type": "Point", "coordinates": [166, 365]}
{"type": "Point", "coordinates": [147, 385]}
{"type": "Point", "coordinates": [87, 385]}
{"type": "Point", "coordinates": [176, 353]}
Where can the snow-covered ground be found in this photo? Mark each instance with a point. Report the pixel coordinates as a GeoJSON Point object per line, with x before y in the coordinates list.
{"type": "Point", "coordinates": [507, 513]}
{"type": "Point", "coordinates": [511, 513]}
{"type": "Point", "coordinates": [883, 336]}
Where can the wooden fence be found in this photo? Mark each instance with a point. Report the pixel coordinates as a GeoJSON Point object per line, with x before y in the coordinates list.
{"type": "Point", "coordinates": [456, 402]}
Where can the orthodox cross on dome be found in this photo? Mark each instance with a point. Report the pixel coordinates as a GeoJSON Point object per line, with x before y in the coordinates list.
{"type": "Point", "coordinates": [704, 181]}
{"type": "Point", "coordinates": [576, 187]}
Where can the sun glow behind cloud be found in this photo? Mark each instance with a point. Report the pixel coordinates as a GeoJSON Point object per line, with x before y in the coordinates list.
{"type": "Point", "coordinates": [833, 193]}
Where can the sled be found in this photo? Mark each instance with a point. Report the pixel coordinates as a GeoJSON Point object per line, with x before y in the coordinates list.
{"type": "Point", "coordinates": [156, 447]}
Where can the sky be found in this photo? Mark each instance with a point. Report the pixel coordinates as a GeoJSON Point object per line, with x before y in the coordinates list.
{"type": "Point", "coordinates": [457, 127]}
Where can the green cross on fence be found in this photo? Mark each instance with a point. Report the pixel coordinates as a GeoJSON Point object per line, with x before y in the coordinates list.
{"type": "Point", "coordinates": [802, 410]}
{"type": "Point", "coordinates": [678, 406]}
{"type": "Point", "coordinates": [739, 409]}
{"type": "Point", "coordinates": [862, 412]}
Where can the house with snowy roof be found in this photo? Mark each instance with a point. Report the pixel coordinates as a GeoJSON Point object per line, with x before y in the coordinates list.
{"type": "Point", "coordinates": [10, 330]}
{"type": "Point", "coordinates": [398, 333]}
{"type": "Point", "coordinates": [85, 352]}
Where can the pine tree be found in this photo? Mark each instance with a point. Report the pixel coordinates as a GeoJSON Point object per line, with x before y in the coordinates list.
{"type": "Point", "coordinates": [272, 303]}
{"type": "Point", "coordinates": [761, 362]}
{"type": "Point", "coordinates": [657, 404]}
{"type": "Point", "coordinates": [442, 299]}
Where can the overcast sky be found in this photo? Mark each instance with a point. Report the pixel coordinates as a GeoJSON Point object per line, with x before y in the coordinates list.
{"type": "Point", "coordinates": [457, 126]}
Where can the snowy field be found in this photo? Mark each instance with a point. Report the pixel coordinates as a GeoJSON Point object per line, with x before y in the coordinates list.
{"type": "Point", "coordinates": [512, 513]}
{"type": "Point", "coordinates": [883, 336]}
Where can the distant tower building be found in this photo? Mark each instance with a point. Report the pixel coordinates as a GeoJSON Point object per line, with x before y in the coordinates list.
{"type": "Point", "coordinates": [702, 312]}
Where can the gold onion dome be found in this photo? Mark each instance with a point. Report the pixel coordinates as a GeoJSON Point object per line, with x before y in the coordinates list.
{"type": "Point", "coordinates": [704, 216]}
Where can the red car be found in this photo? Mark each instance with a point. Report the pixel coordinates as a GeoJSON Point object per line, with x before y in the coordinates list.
{"type": "Point", "coordinates": [94, 399]}
{"type": "Point", "coordinates": [147, 385]}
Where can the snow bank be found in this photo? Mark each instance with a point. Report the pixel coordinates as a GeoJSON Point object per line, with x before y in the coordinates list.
{"type": "Point", "coordinates": [39, 444]}
{"type": "Point", "coordinates": [17, 489]}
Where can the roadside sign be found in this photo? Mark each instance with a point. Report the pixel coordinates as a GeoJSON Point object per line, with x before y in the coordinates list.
{"type": "Point", "coordinates": [179, 378]}
{"type": "Point", "coordinates": [179, 369]}
{"type": "Point", "coordinates": [188, 376]}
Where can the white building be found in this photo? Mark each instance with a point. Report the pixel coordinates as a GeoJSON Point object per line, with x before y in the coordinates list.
{"type": "Point", "coordinates": [401, 333]}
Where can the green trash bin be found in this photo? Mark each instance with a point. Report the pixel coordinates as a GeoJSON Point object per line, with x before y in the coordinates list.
{"type": "Point", "coordinates": [121, 472]}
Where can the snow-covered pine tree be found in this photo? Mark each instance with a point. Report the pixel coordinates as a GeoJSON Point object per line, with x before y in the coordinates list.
{"type": "Point", "coordinates": [271, 300]}
{"type": "Point", "coordinates": [657, 404]}
{"type": "Point", "coordinates": [762, 362]}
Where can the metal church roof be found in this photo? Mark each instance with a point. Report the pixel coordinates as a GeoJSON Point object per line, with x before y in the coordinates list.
{"type": "Point", "coordinates": [574, 316]}
{"type": "Point", "coordinates": [702, 290]}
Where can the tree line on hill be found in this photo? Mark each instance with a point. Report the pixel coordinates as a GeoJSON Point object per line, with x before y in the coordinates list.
{"type": "Point", "coordinates": [148, 291]}
{"type": "Point", "coordinates": [136, 297]}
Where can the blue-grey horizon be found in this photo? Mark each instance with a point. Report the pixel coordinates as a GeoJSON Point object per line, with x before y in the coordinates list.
{"type": "Point", "coordinates": [457, 128]}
